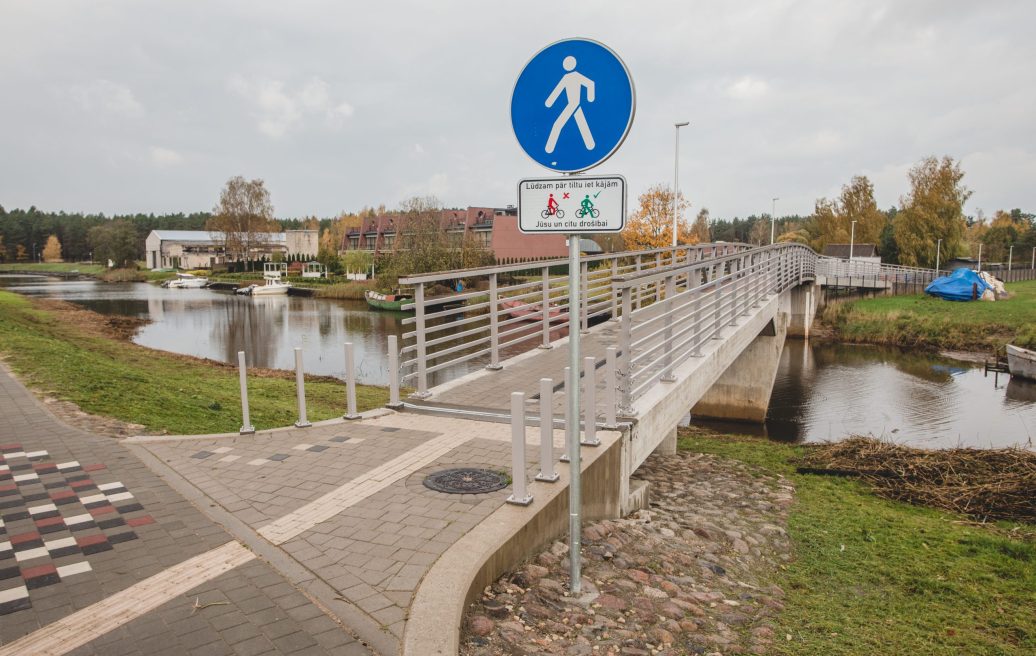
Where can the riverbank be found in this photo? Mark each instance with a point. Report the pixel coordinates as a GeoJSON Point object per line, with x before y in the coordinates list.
{"type": "Point", "coordinates": [930, 323]}
{"type": "Point", "coordinates": [855, 574]}
{"type": "Point", "coordinates": [75, 355]}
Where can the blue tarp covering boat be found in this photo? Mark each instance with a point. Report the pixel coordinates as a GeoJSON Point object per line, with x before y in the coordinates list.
{"type": "Point", "coordinates": [961, 285]}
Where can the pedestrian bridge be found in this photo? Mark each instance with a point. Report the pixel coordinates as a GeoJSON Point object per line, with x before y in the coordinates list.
{"type": "Point", "coordinates": [663, 332]}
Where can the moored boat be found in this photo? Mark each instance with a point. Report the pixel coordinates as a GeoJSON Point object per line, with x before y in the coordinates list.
{"type": "Point", "coordinates": [1021, 362]}
{"type": "Point", "coordinates": [380, 301]}
{"type": "Point", "coordinates": [272, 287]}
{"type": "Point", "coordinates": [186, 281]}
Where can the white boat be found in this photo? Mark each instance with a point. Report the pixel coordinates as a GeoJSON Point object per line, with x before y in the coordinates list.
{"type": "Point", "coordinates": [186, 281]}
{"type": "Point", "coordinates": [1021, 362]}
{"type": "Point", "coordinates": [272, 287]}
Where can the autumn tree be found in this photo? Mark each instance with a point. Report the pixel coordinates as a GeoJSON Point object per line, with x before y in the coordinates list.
{"type": "Point", "coordinates": [242, 218]}
{"type": "Point", "coordinates": [651, 226]}
{"type": "Point", "coordinates": [933, 210]}
{"type": "Point", "coordinates": [832, 220]}
{"type": "Point", "coordinates": [52, 249]}
{"type": "Point", "coordinates": [700, 230]}
{"type": "Point", "coordinates": [1003, 232]}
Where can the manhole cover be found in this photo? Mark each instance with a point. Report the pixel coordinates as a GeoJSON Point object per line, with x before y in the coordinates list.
{"type": "Point", "coordinates": [466, 480]}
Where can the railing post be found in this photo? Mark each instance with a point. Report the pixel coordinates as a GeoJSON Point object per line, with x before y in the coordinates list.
{"type": "Point", "coordinates": [494, 326]}
{"type": "Point", "coordinates": [625, 373]}
{"type": "Point", "coordinates": [733, 300]}
{"type": "Point", "coordinates": [520, 496]}
{"type": "Point", "coordinates": [639, 264]}
{"type": "Point", "coordinates": [422, 356]}
{"type": "Point", "coordinates": [584, 306]}
{"type": "Point", "coordinates": [300, 390]}
{"type": "Point", "coordinates": [246, 417]}
{"type": "Point", "coordinates": [567, 413]}
{"type": "Point", "coordinates": [717, 321]}
{"type": "Point", "coordinates": [350, 383]}
{"type": "Point", "coordinates": [614, 295]}
{"type": "Point", "coordinates": [545, 303]}
{"type": "Point", "coordinates": [590, 403]}
{"type": "Point", "coordinates": [670, 290]}
{"type": "Point", "coordinates": [611, 387]}
{"type": "Point", "coordinates": [393, 363]}
{"type": "Point", "coordinates": [547, 472]}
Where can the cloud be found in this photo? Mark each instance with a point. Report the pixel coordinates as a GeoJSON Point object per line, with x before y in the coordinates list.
{"type": "Point", "coordinates": [279, 110]}
{"type": "Point", "coordinates": [107, 96]}
{"type": "Point", "coordinates": [164, 156]}
{"type": "Point", "coordinates": [747, 88]}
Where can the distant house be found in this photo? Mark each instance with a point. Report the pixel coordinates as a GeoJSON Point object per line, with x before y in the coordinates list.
{"type": "Point", "coordinates": [201, 249]}
{"type": "Point", "coordinates": [494, 229]}
{"type": "Point", "coordinates": [864, 252]}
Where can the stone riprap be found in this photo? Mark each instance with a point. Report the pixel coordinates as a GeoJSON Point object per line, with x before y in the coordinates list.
{"type": "Point", "coordinates": [687, 576]}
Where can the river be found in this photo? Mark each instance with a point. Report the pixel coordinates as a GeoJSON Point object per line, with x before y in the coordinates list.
{"type": "Point", "coordinates": [823, 391]}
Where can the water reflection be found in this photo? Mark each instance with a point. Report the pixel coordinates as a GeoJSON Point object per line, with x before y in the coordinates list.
{"type": "Point", "coordinates": [217, 325]}
{"type": "Point", "coordinates": [822, 392]}
{"type": "Point", "coordinates": [828, 391]}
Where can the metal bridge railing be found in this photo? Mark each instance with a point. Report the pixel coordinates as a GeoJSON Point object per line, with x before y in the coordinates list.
{"type": "Point", "coordinates": [514, 306]}
{"type": "Point", "coordinates": [700, 300]}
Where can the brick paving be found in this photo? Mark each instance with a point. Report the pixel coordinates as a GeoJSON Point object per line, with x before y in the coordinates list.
{"type": "Point", "coordinates": [83, 520]}
{"type": "Point", "coordinates": [348, 501]}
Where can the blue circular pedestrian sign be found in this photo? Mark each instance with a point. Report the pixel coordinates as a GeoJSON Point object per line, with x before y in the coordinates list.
{"type": "Point", "coordinates": [573, 105]}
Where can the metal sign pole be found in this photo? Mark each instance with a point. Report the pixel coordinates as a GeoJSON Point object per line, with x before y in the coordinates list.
{"type": "Point", "coordinates": [572, 398]}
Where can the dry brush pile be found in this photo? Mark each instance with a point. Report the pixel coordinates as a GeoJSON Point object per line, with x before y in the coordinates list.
{"type": "Point", "coordinates": [989, 484]}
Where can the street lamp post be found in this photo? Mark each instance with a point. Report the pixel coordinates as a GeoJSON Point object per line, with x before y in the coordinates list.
{"type": "Point", "coordinates": [1033, 265]}
{"type": "Point", "coordinates": [676, 180]}
{"type": "Point", "coordinates": [852, 239]}
{"type": "Point", "coordinates": [1010, 256]}
{"type": "Point", "coordinates": [773, 217]}
{"type": "Point", "coordinates": [938, 253]}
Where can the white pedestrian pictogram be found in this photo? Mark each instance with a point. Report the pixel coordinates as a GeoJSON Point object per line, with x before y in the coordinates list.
{"type": "Point", "coordinates": [572, 84]}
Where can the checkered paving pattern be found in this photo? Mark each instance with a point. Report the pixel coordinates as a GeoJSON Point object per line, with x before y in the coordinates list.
{"type": "Point", "coordinates": [85, 526]}
{"type": "Point", "coordinates": [52, 517]}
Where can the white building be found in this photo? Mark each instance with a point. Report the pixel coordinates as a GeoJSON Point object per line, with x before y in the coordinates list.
{"type": "Point", "coordinates": [201, 249]}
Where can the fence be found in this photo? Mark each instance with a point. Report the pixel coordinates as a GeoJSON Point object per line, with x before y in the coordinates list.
{"type": "Point", "coordinates": [498, 314]}
{"type": "Point", "coordinates": [897, 279]}
{"type": "Point", "coordinates": [700, 300]}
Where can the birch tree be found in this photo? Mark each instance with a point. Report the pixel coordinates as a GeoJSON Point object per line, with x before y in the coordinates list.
{"type": "Point", "coordinates": [242, 218]}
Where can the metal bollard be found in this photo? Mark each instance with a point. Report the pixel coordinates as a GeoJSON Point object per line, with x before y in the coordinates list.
{"type": "Point", "coordinates": [611, 387]}
{"type": "Point", "coordinates": [520, 495]}
{"type": "Point", "coordinates": [589, 404]}
{"type": "Point", "coordinates": [547, 472]}
{"type": "Point", "coordinates": [350, 383]}
{"type": "Point", "coordinates": [246, 418]}
{"type": "Point", "coordinates": [300, 390]}
{"type": "Point", "coordinates": [568, 436]}
{"type": "Point", "coordinates": [393, 363]}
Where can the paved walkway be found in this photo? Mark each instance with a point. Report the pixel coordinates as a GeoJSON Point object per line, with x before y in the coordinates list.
{"type": "Point", "coordinates": [308, 540]}
{"type": "Point", "coordinates": [98, 555]}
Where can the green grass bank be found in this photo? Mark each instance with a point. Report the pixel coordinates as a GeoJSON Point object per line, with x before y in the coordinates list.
{"type": "Point", "coordinates": [872, 576]}
{"type": "Point", "coordinates": [85, 358]}
{"type": "Point", "coordinates": [932, 323]}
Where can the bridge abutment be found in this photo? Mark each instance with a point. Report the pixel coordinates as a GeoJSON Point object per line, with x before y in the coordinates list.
{"type": "Point", "coordinates": [742, 392]}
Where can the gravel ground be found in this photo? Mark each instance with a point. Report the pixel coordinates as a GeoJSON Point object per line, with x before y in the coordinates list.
{"type": "Point", "coordinates": [687, 576]}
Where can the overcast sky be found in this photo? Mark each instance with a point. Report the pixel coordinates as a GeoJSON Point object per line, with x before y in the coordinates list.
{"type": "Point", "coordinates": [152, 106]}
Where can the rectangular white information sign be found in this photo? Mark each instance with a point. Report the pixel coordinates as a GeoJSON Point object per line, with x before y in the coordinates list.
{"type": "Point", "coordinates": [572, 204]}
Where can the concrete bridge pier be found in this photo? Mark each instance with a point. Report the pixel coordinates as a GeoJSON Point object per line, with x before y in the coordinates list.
{"type": "Point", "coordinates": [801, 304]}
{"type": "Point", "coordinates": [742, 392]}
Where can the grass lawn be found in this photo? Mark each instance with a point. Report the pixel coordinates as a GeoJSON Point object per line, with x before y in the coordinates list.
{"type": "Point", "coordinates": [879, 577]}
{"type": "Point", "coordinates": [44, 267]}
{"type": "Point", "coordinates": [934, 323]}
{"type": "Point", "coordinates": [74, 360]}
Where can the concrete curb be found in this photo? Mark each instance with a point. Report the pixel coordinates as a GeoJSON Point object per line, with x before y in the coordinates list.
{"type": "Point", "coordinates": [500, 542]}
